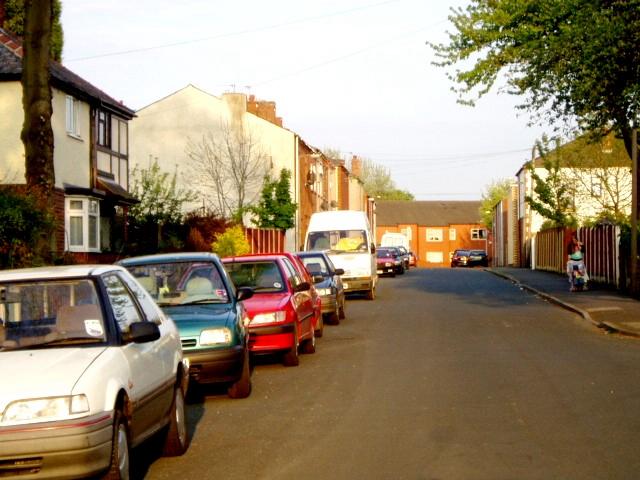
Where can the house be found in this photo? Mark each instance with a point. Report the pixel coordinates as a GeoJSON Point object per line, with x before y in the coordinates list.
{"type": "Point", "coordinates": [434, 228]}
{"type": "Point", "coordinates": [91, 156]}
{"type": "Point", "coordinates": [167, 130]}
{"type": "Point", "coordinates": [599, 175]}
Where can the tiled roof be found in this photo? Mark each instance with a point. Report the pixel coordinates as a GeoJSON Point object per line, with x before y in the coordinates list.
{"type": "Point", "coordinates": [61, 77]}
{"type": "Point", "coordinates": [427, 213]}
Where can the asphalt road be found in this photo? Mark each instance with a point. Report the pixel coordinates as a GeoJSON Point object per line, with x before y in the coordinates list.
{"type": "Point", "coordinates": [448, 374]}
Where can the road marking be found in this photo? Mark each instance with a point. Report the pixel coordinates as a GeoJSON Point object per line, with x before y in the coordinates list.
{"type": "Point", "coordinates": [604, 309]}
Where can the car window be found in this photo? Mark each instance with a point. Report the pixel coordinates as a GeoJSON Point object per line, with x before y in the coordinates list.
{"type": "Point", "coordinates": [124, 308]}
{"type": "Point", "coordinates": [293, 274]}
{"type": "Point", "coordinates": [338, 241]}
{"type": "Point", "coordinates": [315, 264]}
{"type": "Point", "coordinates": [145, 301]}
{"type": "Point", "coordinates": [262, 276]}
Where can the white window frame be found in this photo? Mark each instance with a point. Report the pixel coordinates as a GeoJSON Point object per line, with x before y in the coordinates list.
{"type": "Point", "coordinates": [72, 109]}
{"type": "Point", "coordinates": [434, 235]}
{"type": "Point", "coordinates": [452, 234]}
{"type": "Point", "coordinates": [478, 234]}
{"type": "Point", "coordinates": [90, 209]}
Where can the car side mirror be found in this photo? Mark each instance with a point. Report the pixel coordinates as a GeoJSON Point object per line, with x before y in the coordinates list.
{"type": "Point", "coordinates": [373, 248]}
{"type": "Point", "coordinates": [143, 332]}
{"type": "Point", "coordinates": [339, 271]}
{"type": "Point", "coordinates": [244, 293]}
{"type": "Point", "coordinates": [302, 287]}
{"type": "Point", "coordinates": [318, 278]}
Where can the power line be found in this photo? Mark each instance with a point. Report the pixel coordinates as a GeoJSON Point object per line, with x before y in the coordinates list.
{"type": "Point", "coordinates": [231, 34]}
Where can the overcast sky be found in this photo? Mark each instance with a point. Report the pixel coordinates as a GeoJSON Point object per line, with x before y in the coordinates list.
{"type": "Point", "coordinates": [352, 75]}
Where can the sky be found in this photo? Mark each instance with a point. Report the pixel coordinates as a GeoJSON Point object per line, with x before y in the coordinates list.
{"type": "Point", "coordinates": [350, 75]}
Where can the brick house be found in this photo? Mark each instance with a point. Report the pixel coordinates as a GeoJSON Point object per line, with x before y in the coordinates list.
{"type": "Point", "coordinates": [434, 228]}
{"type": "Point", "coordinates": [91, 161]}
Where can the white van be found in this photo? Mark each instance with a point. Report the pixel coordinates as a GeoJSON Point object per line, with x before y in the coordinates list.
{"type": "Point", "coordinates": [395, 239]}
{"type": "Point", "coordinates": [347, 238]}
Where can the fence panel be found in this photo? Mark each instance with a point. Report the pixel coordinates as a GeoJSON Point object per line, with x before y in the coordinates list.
{"type": "Point", "coordinates": [265, 240]}
{"type": "Point", "coordinates": [602, 252]}
{"type": "Point", "coordinates": [550, 250]}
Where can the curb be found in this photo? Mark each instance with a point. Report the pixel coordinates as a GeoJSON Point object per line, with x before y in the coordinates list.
{"type": "Point", "coordinates": [551, 298]}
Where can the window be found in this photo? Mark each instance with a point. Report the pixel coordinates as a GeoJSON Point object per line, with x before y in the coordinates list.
{"type": "Point", "coordinates": [435, 257]}
{"type": "Point", "coordinates": [596, 187]}
{"type": "Point", "coordinates": [123, 305]}
{"type": "Point", "coordinates": [104, 129]}
{"type": "Point", "coordinates": [82, 224]}
{"type": "Point", "coordinates": [434, 234]}
{"type": "Point", "coordinates": [452, 234]}
{"type": "Point", "coordinates": [72, 110]}
{"type": "Point", "coordinates": [478, 234]}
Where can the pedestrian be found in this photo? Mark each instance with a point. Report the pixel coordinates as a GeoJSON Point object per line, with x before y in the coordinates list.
{"type": "Point", "coordinates": [576, 269]}
{"type": "Point", "coordinates": [575, 248]}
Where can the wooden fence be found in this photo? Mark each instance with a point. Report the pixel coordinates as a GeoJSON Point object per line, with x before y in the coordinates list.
{"type": "Point", "coordinates": [602, 251]}
{"type": "Point", "coordinates": [265, 240]}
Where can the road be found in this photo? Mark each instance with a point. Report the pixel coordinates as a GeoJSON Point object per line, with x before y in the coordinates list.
{"type": "Point", "coordinates": [448, 374]}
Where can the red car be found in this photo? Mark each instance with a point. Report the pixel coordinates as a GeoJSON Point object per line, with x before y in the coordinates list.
{"type": "Point", "coordinates": [282, 312]}
{"type": "Point", "coordinates": [317, 300]}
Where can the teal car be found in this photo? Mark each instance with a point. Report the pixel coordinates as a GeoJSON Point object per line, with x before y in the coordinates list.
{"type": "Point", "coordinates": [196, 292]}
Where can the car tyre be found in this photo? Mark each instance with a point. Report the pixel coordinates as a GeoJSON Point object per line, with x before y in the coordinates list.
{"type": "Point", "coordinates": [242, 387]}
{"type": "Point", "coordinates": [320, 326]}
{"type": "Point", "coordinates": [292, 357]}
{"type": "Point", "coordinates": [177, 439]}
{"type": "Point", "coordinates": [341, 312]}
{"type": "Point", "coordinates": [309, 345]}
{"type": "Point", "coordinates": [120, 452]}
{"type": "Point", "coordinates": [371, 294]}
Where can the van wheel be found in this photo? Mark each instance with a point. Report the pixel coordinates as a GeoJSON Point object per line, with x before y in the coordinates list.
{"type": "Point", "coordinates": [120, 460]}
{"type": "Point", "coordinates": [371, 294]}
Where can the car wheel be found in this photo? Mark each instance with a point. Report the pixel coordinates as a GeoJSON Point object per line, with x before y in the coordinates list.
{"type": "Point", "coordinates": [320, 326]}
{"type": "Point", "coordinates": [401, 271]}
{"type": "Point", "coordinates": [371, 294]}
{"type": "Point", "coordinates": [119, 468]}
{"type": "Point", "coordinates": [177, 438]}
{"type": "Point", "coordinates": [292, 357]}
{"type": "Point", "coordinates": [309, 345]}
{"type": "Point", "coordinates": [242, 387]}
{"type": "Point", "coordinates": [341, 312]}
{"type": "Point", "coordinates": [393, 274]}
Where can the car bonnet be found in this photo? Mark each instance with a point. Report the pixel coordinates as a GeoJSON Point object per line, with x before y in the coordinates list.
{"type": "Point", "coordinates": [47, 372]}
{"type": "Point", "coordinates": [191, 319]}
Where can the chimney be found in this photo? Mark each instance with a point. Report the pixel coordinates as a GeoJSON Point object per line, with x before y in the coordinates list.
{"type": "Point", "coordinates": [263, 109]}
{"type": "Point", "coordinates": [356, 166]}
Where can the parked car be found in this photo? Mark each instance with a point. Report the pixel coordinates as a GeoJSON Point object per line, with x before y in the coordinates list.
{"type": "Point", "coordinates": [460, 258]}
{"type": "Point", "coordinates": [318, 320]}
{"type": "Point", "coordinates": [196, 292]}
{"type": "Point", "coordinates": [478, 258]}
{"type": "Point", "coordinates": [328, 285]}
{"type": "Point", "coordinates": [413, 259]}
{"type": "Point", "coordinates": [404, 255]}
{"type": "Point", "coordinates": [388, 261]}
{"type": "Point", "coordinates": [90, 368]}
{"type": "Point", "coordinates": [281, 311]}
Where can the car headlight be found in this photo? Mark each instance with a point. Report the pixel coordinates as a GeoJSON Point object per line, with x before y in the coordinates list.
{"type": "Point", "coordinates": [45, 409]}
{"type": "Point", "coordinates": [272, 317]}
{"type": "Point", "coordinates": [215, 336]}
{"type": "Point", "coordinates": [323, 292]}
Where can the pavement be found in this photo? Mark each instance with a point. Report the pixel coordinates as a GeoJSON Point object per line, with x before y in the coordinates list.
{"type": "Point", "coordinates": [603, 307]}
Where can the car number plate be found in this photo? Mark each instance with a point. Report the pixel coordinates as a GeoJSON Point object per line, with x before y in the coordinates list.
{"type": "Point", "coordinates": [476, 258]}
{"type": "Point", "coordinates": [378, 271]}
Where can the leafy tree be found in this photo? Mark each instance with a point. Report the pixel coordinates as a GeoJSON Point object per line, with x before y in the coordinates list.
{"type": "Point", "coordinates": [553, 198]}
{"type": "Point", "coordinates": [494, 193]}
{"type": "Point", "coordinates": [570, 59]}
{"type": "Point", "coordinates": [230, 164]}
{"type": "Point", "coordinates": [276, 209]}
{"type": "Point", "coordinates": [14, 22]}
{"type": "Point", "coordinates": [160, 205]}
{"type": "Point", "coordinates": [379, 184]}
{"type": "Point", "coordinates": [232, 242]}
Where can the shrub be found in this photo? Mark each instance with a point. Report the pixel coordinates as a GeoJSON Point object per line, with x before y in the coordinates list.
{"type": "Point", "coordinates": [231, 242]}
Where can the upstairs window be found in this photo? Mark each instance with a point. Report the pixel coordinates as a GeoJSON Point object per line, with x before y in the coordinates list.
{"type": "Point", "coordinates": [104, 129]}
{"type": "Point", "coordinates": [478, 234]}
{"type": "Point", "coordinates": [434, 234]}
{"type": "Point", "coordinates": [72, 111]}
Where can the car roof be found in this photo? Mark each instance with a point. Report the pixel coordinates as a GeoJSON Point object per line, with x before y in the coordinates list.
{"type": "Point", "coordinates": [169, 257]}
{"type": "Point", "coordinates": [254, 256]}
{"type": "Point", "coordinates": [64, 271]}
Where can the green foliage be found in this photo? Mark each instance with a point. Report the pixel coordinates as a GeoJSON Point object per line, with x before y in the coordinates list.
{"type": "Point", "coordinates": [276, 208]}
{"type": "Point", "coordinates": [494, 193]}
{"type": "Point", "coordinates": [24, 229]}
{"type": "Point", "coordinates": [553, 198]}
{"type": "Point", "coordinates": [14, 22]}
{"type": "Point", "coordinates": [569, 59]}
{"type": "Point", "coordinates": [232, 242]}
{"type": "Point", "coordinates": [379, 184]}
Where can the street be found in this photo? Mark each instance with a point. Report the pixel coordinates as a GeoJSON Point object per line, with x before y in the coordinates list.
{"type": "Point", "coordinates": [448, 374]}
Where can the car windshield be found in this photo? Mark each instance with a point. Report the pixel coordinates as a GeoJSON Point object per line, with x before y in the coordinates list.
{"type": "Point", "coordinates": [316, 265]}
{"type": "Point", "coordinates": [182, 283]}
{"type": "Point", "coordinates": [48, 314]}
{"type": "Point", "coordinates": [338, 241]}
{"type": "Point", "coordinates": [262, 276]}
{"type": "Point", "coordinates": [384, 253]}
{"type": "Point", "coordinates": [478, 252]}
{"type": "Point", "coordinates": [462, 253]}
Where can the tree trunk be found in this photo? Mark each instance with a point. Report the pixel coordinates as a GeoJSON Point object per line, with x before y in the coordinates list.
{"type": "Point", "coordinates": [37, 134]}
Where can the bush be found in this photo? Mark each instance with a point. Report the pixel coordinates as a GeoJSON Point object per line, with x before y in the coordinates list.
{"type": "Point", "coordinates": [231, 242]}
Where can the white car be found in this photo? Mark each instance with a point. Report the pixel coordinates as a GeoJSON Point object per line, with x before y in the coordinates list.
{"type": "Point", "coordinates": [90, 367]}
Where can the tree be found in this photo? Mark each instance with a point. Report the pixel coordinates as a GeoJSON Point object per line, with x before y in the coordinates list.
{"type": "Point", "coordinates": [230, 164]}
{"type": "Point", "coordinates": [232, 242]}
{"type": "Point", "coordinates": [276, 209]}
{"type": "Point", "coordinates": [575, 60]}
{"type": "Point", "coordinates": [160, 203]}
{"type": "Point", "coordinates": [494, 193]}
{"type": "Point", "coordinates": [37, 134]}
{"type": "Point", "coordinates": [553, 198]}
{"type": "Point", "coordinates": [379, 184]}
{"type": "Point", "coordinates": [14, 21]}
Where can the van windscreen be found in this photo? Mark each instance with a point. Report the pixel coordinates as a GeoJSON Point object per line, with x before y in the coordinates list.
{"type": "Point", "coordinates": [338, 241]}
